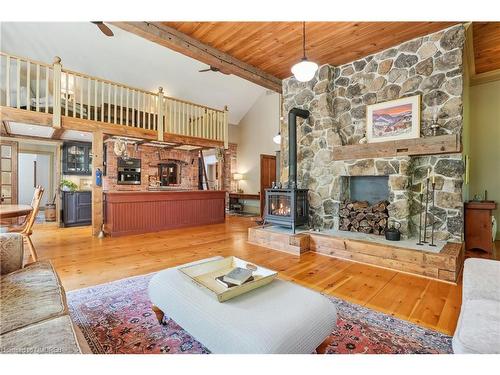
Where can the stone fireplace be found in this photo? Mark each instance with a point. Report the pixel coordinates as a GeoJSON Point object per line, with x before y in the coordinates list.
{"type": "Point", "coordinates": [429, 66]}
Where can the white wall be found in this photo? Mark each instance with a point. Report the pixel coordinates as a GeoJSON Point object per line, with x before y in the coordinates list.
{"type": "Point", "coordinates": [485, 142]}
{"type": "Point", "coordinates": [257, 129]}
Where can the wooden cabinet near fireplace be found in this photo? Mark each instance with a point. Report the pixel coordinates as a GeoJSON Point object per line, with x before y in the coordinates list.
{"type": "Point", "coordinates": [478, 225]}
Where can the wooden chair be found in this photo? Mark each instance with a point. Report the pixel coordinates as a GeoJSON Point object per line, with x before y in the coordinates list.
{"type": "Point", "coordinates": [25, 229]}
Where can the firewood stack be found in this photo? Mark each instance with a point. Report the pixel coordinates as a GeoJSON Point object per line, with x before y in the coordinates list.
{"type": "Point", "coordinates": [359, 216]}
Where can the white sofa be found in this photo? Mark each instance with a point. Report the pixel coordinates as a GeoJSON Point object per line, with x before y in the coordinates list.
{"type": "Point", "coordinates": [478, 327]}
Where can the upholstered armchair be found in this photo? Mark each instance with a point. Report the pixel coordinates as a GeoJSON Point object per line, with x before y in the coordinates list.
{"type": "Point", "coordinates": [11, 252]}
{"type": "Point", "coordinates": [478, 327]}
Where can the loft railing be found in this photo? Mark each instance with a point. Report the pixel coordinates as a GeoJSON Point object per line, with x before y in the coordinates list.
{"type": "Point", "coordinates": [35, 86]}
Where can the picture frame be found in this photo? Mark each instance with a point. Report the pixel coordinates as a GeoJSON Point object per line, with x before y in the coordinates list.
{"type": "Point", "coordinates": [393, 120]}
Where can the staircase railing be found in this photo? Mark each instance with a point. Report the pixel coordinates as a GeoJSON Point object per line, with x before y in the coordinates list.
{"type": "Point", "coordinates": [36, 86]}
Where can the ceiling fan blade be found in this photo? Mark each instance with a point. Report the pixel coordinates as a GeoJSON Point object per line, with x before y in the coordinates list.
{"type": "Point", "coordinates": [104, 29]}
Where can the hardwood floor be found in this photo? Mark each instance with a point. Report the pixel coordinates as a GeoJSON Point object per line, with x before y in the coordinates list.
{"type": "Point", "coordinates": [82, 260]}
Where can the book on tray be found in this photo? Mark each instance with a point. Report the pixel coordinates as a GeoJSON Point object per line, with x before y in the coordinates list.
{"type": "Point", "coordinates": [237, 276]}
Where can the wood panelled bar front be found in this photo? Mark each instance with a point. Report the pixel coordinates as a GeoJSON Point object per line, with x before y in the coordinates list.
{"type": "Point", "coordinates": [130, 212]}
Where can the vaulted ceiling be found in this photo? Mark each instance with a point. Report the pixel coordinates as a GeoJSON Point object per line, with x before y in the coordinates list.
{"type": "Point", "coordinates": [264, 52]}
{"type": "Point", "coordinates": [275, 46]}
{"type": "Point", "coordinates": [486, 42]}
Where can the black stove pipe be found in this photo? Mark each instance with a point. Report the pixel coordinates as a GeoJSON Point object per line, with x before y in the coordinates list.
{"type": "Point", "coordinates": [292, 144]}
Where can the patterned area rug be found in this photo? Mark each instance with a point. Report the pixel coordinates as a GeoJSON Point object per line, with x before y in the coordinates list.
{"type": "Point", "coordinates": [117, 318]}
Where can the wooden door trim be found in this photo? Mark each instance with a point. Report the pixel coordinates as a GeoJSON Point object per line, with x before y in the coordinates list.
{"type": "Point", "coordinates": [13, 169]}
{"type": "Point", "coordinates": [262, 192]}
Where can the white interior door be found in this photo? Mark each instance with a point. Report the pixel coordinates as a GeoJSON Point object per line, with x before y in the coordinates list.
{"type": "Point", "coordinates": [34, 169]}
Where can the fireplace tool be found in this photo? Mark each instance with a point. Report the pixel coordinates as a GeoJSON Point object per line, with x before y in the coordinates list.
{"type": "Point", "coordinates": [420, 219]}
{"type": "Point", "coordinates": [425, 212]}
{"type": "Point", "coordinates": [433, 184]}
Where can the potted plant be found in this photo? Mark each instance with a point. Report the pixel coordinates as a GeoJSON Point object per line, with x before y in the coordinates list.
{"type": "Point", "coordinates": [67, 185]}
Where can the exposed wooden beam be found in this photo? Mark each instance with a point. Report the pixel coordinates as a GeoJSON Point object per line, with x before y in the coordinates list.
{"type": "Point", "coordinates": [479, 79]}
{"type": "Point", "coordinates": [24, 116]}
{"type": "Point", "coordinates": [171, 38]}
{"type": "Point", "coordinates": [4, 131]}
{"type": "Point", "coordinates": [58, 132]}
{"type": "Point", "coordinates": [73, 123]}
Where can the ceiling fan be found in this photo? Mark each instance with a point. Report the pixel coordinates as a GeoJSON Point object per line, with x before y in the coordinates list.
{"type": "Point", "coordinates": [104, 29]}
{"type": "Point", "coordinates": [213, 69]}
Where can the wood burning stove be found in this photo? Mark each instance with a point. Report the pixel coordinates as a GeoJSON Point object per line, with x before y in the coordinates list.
{"type": "Point", "coordinates": [286, 207]}
{"type": "Point", "coordinates": [289, 207]}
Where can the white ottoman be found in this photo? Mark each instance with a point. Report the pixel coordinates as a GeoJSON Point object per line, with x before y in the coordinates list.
{"type": "Point", "coordinates": [281, 317]}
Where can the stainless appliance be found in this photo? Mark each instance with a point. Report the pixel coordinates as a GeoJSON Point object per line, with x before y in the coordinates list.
{"type": "Point", "coordinates": [129, 171]}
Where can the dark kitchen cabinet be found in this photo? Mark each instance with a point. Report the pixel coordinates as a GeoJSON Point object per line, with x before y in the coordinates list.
{"type": "Point", "coordinates": [77, 158]}
{"type": "Point", "coordinates": [77, 208]}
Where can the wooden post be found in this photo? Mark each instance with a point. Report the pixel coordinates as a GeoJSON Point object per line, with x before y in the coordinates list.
{"type": "Point", "coordinates": [226, 127]}
{"type": "Point", "coordinates": [97, 162]}
{"type": "Point", "coordinates": [160, 129]}
{"type": "Point", "coordinates": [56, 122]}
{"type": "Point", "coordinates": [58, 182]}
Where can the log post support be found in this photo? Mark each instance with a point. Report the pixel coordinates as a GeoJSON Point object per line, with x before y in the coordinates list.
{"type": "Point", "coordinates": [56, 116]}
{"type": "Point", "coordinates": [160, 129]}
{"type": "Point", "coordinates": [97, 163]}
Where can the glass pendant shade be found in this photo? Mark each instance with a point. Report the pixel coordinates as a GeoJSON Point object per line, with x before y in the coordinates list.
{"type": "Point", "coordinates": [277, 139]}
{"type": "Point", "coordinates": [305, 70]}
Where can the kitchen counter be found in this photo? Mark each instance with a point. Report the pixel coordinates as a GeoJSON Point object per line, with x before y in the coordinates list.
{"type": "Point", "coordinates": [135, 212]}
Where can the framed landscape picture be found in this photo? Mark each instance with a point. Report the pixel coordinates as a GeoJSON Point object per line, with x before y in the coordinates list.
{"type": "Point", "coordinates": [393, 120]}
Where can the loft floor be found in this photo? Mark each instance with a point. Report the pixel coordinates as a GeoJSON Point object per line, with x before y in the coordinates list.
{"type": "Point", "coordinates": [82, 260]}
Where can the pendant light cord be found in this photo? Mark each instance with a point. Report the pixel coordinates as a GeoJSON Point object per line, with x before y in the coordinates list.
{"type": "Point", "coordinates": [304, 39]}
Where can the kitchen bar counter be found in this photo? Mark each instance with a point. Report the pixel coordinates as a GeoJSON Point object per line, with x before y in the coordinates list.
{"type": "Point", "coordinates": [135, 212]}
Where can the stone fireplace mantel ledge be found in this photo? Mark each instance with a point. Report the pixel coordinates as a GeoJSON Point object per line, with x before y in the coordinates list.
{"type": "Point", "coordinates": [441, 144]}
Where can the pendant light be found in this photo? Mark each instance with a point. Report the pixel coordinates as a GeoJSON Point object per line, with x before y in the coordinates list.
{"type": "Point", "coordinates": [304, 70]}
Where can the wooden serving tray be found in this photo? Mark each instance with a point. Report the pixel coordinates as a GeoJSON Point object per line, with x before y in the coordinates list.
{"type": "Point", "coordinates": [204, 274]}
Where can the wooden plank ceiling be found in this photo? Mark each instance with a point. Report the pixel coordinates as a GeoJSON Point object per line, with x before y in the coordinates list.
{"type": "Point", "coordinates": [274, 47]}
{"type": "Point", "coordinates": [486, 42]}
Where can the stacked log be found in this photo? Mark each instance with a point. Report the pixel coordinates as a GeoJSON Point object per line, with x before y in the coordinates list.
{"type": "Point", "coordinates": [360, 216]}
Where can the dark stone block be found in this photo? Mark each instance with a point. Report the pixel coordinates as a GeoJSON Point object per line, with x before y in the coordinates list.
{"type": "Point", "coordinates": [450, 168]}
{"type": "Point", "coordinates": [405, 61]}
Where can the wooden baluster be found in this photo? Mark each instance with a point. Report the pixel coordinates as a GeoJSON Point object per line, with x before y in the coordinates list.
{"type": "Point", "coordinates": [96, 90]}
{"type": "Point", "coordinates": [37, 93]}
{"type": "Point", "coordinates": [7, 82]}
{"type": "Point", "coordinates": [102, 101]}
{"type": "Point", "coordinates": [126, 107]}
{"type": "Point", "coordinates": [66, 94]}
{"type": "Point", "coordinates": [114, 103]}
{"type": "Point", "coordinates": [47, 94]}
{"type": "Point", "coordinates": [18, 84]}
{"type": "Point", "coordinates": [121, 105]}
{"type": "Point", "coordinates": [133, 108]}
{"type": "Point", "coordinates": [169, 103]}
{"type": "Point", "coordinates": [143, 110]}
{"type": "Point", "coordinates": [88, 97]}
{"type": "Point", "coordinates": [74, 94]}
{"type": "Point", "coordinates": [28, 85]}
{"type": "Point", "coordinates": [80, 79]}
{"type": "Point", "coordinates": [109, 103]}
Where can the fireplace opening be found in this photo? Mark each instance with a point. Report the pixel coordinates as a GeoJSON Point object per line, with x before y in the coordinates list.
{"type": "Point", "coordinates": [365, 208]}
{"type": "Point", "coordinates": [371, 189]}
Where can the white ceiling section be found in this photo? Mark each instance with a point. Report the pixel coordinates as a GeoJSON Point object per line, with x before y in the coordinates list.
{"type": "Point", "coordinates": [16, 128]}
{"type": "Point", "coordinates": [76, 135]}
{"type": "Point", "coordinates": [129, 59]}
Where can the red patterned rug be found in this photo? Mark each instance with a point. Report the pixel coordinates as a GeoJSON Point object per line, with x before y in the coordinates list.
{"type": "Point", "coordinates": [117, 318]}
